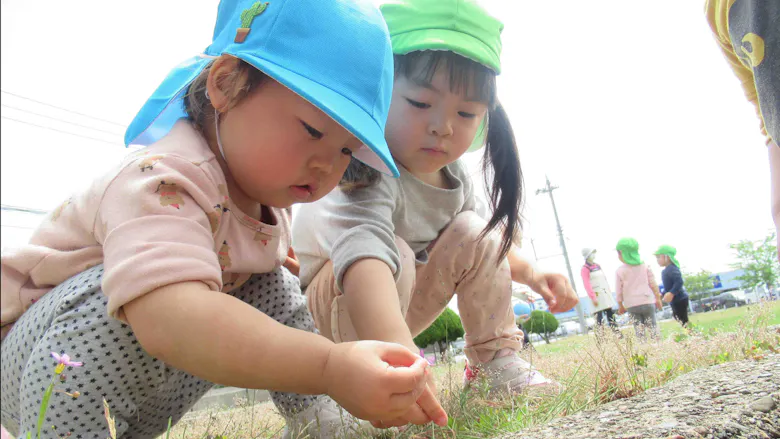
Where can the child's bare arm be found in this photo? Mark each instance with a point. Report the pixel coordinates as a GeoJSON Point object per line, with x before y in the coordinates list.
{"type": "Point", "coordinates": [224, 340]}
{"type": "Point", "coordinates": [553, 287]}
{"type": "Point", "coordinates": [374, 307]}
{"type": "Point", "coordinates": [375, 312]}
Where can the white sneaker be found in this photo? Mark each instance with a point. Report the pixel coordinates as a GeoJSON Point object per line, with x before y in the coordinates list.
{"type": "Point", "coordinates": [508, 374]}
{"type": "Point", "coordinates": [326, 419]}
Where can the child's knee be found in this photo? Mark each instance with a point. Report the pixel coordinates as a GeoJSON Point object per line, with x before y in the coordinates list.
{"type": "Point", "coordinates": [466, 229]}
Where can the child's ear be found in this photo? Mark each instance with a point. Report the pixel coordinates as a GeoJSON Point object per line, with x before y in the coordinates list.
{"type": "Point", "coordinates": [216, 85]}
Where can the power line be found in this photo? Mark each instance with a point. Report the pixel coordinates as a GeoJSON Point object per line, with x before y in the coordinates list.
{"type": "Point", "coordinates": [63, 109]}
{"type": "Point", "coordinates": [62, 131]}
{"type": "Point", "coordinates": [61, 120]}
{"type": "Point", "coordinates": [22, 209]}
{"type": "Point", "coordinates": [18, 227]}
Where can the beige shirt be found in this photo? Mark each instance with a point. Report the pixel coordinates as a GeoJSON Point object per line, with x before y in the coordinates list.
{"type": "Point", "coordinates": [162, 217]}
{"type": "Point", "coordinates": [347, 227]}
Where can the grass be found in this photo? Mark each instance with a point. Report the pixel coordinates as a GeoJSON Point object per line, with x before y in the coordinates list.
{"type": "Point", "coordinates": [591, 373]}
{"type": "Point", "coordinates": [723, 321]}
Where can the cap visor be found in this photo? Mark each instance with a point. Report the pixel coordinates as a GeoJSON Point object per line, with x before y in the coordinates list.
{"type": "Point", "coordinates": [341, 109]}
{"type": "Point", "coordinates": [445, 39]}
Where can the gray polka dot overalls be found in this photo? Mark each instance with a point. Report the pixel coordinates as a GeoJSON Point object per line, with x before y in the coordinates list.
{"type": "Point", "coordinates": [142, 391]}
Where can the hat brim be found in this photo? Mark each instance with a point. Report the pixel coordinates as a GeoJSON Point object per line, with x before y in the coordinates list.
{"type": "Point", "coordinates": [161, 111]}
{"type": "Point", "coordinates": [150, 125]}
{"type": "Point", "coordinates": [446, 39]}
{"type": "Point", "coordinates": [631, 258]}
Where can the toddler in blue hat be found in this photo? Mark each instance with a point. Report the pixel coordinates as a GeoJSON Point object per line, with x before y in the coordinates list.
{"type": "Point", "coordinates": [173, 271]}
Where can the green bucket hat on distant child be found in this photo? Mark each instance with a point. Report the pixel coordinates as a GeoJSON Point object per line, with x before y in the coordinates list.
{"type": "Point", "coordinates": [460, 26]}
{"type": "Point", "coordinates": [629, 248]}
{"type": "Point", "coordinates": [670, 251]}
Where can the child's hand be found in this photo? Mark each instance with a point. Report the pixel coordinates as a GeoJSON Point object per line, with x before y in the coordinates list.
{"type": "Point", "coordinates": [621, 310]}
{"type": "Point", "coordinates": [379, 381]}
{"type": "Point", "coordinates": [426, 410]}
{"type": "Point", "coordinates": [556, 291]}
{"type": "Point", "coordinates": [423, 412]}
{"type": "Point", "coordinates": [292, 263]}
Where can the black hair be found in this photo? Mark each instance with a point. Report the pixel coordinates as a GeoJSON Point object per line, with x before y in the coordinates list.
{"type": "Point", "coordinates": [500, 162]}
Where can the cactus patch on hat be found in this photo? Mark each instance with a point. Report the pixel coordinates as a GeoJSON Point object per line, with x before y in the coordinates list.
{"type": "Point", "coordinates": [247, 17]}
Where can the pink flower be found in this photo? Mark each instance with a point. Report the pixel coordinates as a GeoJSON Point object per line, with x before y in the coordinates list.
{"type": "Point", "coordinates": [64, 360]}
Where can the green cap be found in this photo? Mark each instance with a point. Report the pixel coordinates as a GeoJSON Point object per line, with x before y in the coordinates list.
{"type": "Point", "coordinates": [629, 248]}
{"type": "Point", "coordinates": [670, 251]}
{"type": "Point", "coordinates": [460, 26]}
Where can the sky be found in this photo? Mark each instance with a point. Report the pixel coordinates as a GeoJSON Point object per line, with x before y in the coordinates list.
{"type": "Point", "coordinates": [628, 107]}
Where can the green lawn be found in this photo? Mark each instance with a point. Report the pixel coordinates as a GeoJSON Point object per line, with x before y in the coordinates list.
{"type": "Point", "coordinates": [723, 320]}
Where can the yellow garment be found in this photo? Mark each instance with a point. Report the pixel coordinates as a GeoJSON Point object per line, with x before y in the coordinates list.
{"type": "Point", "coordinates": [741, 59]}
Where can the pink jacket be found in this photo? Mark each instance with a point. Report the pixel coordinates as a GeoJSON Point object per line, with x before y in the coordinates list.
{"type": "Point", "coordinates": [635, 285]}
{"type": "Point", "coordinates": [585, 273]}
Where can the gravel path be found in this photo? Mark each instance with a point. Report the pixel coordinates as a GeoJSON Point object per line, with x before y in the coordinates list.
{"type": "Point", "coordinates": [732, 400]}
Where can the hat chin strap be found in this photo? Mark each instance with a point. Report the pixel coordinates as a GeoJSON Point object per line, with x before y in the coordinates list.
{"type": "Point", "coordinates": [219, 142]}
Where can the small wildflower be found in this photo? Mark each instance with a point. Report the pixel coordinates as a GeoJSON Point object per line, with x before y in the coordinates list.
{"type": "Point", "coordinates": [64, 360]}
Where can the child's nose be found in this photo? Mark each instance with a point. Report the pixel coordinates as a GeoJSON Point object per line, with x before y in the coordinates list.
{"type": "Point", "coordinates": [440, 126]}
{"type": "Point", "coordinates": [323, 163]}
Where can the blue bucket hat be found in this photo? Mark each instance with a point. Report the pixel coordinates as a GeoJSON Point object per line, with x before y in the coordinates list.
{"type": "Point", "coordinates": [336, 54]}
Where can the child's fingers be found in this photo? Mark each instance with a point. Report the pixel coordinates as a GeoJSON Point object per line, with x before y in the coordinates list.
{"type": "Point", "coordinates": [543, 290]}
{"type": "Point", "coordinates": [397, 422]}
{"type": "Point", "coordinates": [395, 354]}
{"type": "Point", "coordinates": [401, 403]}
{"type": "Point", "coordinates": [432, 408]}
{"type": "Point", "coordinates": [414, 415]}
{"type": "Point", "coordinates": [406, 379]}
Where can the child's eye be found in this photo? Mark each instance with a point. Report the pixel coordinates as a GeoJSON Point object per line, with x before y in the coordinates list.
{"type": "Point", "coordinates": [417, 104]}
{"type": "Point", "coordinates": [312, 131]}
{"type": "Point", "coordinates": [467, 115]}
{"type": "Point", "coordinates": [346, 151]}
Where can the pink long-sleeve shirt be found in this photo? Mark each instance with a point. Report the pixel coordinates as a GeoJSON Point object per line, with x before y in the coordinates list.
{"type": "Point", "coordinates": [635, 285]}
{"type": "Point", "coordinates": [162, 217]}
{"type": "Point", "coordinates": [585, 273]}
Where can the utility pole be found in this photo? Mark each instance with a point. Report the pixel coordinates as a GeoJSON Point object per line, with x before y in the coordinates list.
{"type": "Point", "coordinates": [548, 189]}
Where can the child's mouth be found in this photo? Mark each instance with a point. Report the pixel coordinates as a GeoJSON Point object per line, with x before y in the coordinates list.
{"type": "Point", "coordinates": [302, 192]}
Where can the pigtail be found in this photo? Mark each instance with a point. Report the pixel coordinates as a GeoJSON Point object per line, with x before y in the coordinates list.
{"type": "Point", "coordinates": [502, 162]}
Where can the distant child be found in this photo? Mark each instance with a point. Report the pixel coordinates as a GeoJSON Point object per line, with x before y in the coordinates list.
{"type": "Point", "coordinates": [598, 289]}
{"type": "Point", "coordinates": [672, 280]}
{"type": "Point", "coordinates": [380, 257]}
{"type": "Point", "coordinates": [637, 289]}
{"type": "Point", "coordinates": [166, 275]}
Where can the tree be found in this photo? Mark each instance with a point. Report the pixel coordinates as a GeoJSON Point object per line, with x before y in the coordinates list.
{"type": "Point", "coordinates": [697, 284]}
{"type": "Point", "coordinates": [542, 323]}
{"type": "Point", "coordinates": [759, 261]}
{"type": "Point", "coordinates": [446, 328]}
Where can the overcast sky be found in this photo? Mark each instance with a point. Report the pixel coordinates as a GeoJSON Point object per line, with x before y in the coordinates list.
{"type": "Point", "coordinates": [627, 106]}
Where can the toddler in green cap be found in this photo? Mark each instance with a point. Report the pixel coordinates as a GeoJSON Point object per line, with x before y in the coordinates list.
{"type": "Point", "coordinates": [381, 258]}
{"type": "Point", "coordinates": [636, 289]}
{"type": "Point", "coordinates": [672, 280]}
